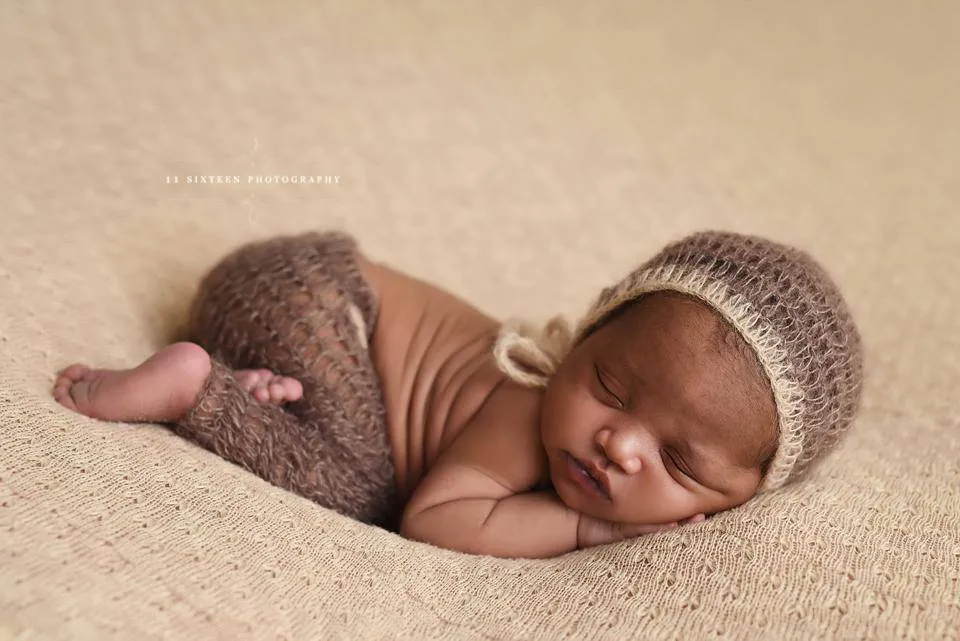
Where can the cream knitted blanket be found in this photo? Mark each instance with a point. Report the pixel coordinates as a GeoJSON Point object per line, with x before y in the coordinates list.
{"type": "Point", "coordinates": [522, 155]}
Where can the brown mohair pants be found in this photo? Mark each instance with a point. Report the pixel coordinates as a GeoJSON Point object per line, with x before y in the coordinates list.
{"type": "Point", "coordinates": [299, 306]}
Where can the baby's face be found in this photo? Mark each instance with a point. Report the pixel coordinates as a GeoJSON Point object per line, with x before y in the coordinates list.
{"type": "Point", "coordinates": [673, 419]}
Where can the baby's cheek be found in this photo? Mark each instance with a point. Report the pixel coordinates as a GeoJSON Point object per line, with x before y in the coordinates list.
{"type": "Point", "coordinates": [565, 425]}
{"type": "Point", "coordinates": [553, 408]}
{"type": "Point", "coordinates": [659, 503]}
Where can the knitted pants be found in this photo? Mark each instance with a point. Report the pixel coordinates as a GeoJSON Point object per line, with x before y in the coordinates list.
{"type": "Point", "coordinates": [299, 306]}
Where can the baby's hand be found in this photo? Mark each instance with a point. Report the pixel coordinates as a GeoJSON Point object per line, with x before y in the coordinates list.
{"type": "Point", "coordinates": [591, 531]}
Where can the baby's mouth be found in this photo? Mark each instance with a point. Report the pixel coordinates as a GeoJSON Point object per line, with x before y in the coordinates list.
{"type": "Point", "coordinates": [592, 477]}
{"type": "Point", "coordinates": [598, 483]}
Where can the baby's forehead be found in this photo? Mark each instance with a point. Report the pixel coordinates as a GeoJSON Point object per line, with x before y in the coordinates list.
{"type": "Point", "coordinates": [670, 318]}
{"type": "Point", "coordinates": [674, 316]}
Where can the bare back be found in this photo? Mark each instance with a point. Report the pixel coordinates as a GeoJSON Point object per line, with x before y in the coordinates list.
{"type": "Point", "coordinates": [432, 351]}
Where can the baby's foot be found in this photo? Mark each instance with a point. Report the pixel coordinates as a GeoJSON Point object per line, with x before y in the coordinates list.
{"type": "Point", "coordinates": [267, 387]}
{"type": "Point", "coordinates": [160, 390]}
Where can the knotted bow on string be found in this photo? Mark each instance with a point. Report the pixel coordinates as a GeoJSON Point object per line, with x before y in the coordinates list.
{"type": "Point", "coordinates": [530, 355]}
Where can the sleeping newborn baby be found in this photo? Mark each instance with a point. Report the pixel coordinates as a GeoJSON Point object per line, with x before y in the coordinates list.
{"type": "Point", "coordinates": [724, 366]}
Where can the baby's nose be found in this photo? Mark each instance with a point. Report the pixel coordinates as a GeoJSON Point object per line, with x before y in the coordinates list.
{"type": "Point", "coordinates": [623, 448]}
{"type": "Point", "coordinates": [631, 465]}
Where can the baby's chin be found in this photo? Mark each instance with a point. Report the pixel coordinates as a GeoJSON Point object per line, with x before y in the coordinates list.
{"type": "Point", "coordinates": [566, 494]}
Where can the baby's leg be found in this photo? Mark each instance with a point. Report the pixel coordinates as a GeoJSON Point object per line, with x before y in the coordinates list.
{"type": "Point", "coordinates": [294, 306]}
{"type": "Point", "coordinates": [298, 455]}
{"type": "Point", "coordinates": [299, 307]}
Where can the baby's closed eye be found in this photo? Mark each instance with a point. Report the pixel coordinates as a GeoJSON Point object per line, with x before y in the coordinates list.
{"type": "Point", "coordinates": [607, 388]}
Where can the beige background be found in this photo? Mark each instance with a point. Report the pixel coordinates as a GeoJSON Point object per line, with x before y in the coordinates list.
{"type": "Point", "coordinates": [522, 155]}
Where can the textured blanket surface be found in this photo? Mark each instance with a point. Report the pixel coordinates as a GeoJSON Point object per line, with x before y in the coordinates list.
{"type": "Point", "coordinates": [521, 155]}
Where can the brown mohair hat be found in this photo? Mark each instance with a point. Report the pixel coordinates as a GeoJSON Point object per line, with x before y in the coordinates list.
{"type": "Point", "coordinates": [781, 302]}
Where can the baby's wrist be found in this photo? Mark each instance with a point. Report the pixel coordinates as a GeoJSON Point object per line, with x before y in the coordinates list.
{"type": "Point", "coordinates": [592, 532]}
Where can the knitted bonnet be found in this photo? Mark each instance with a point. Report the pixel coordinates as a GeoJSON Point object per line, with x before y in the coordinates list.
{"type": "Point", "coordinates": [780, 301]}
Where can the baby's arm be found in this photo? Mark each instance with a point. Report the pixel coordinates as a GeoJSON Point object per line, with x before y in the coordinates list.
{"type": "Point", "coordinates": [526, 525]}
{"type": "Point", "coordinates": [475, 499]}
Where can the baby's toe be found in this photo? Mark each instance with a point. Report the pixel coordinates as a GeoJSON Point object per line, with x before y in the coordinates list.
{"type": "Point", "coordinates": [74, 372]}
{"type": "Point", "coordinates": [251, 378]}
{"type": "Point", "coordinates": [66, 379]}
{"type": "Point", "coordinates": [61, 394]}
{"type": "Point", "coordinates": [247, 379]}
{"type": "Point", "coordinates": [276, 392]}
{"type": "Point", "coordinates": [61, 387]}
{"type": "Point", "coordinates": [261, 393]}
{"type": "Point", "coordinates": [292, 388]}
